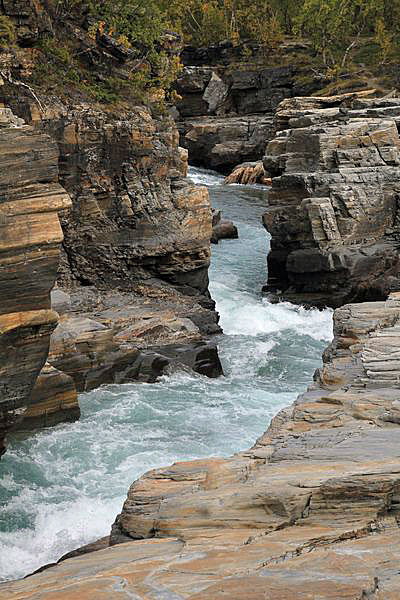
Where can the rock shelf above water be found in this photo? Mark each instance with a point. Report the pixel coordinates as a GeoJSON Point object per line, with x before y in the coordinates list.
{"type": "Point", "coordinates": [310, 511]}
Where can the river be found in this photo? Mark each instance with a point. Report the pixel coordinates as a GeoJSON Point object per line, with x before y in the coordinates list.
{"type": "Point", "coordinates": [61, 488]}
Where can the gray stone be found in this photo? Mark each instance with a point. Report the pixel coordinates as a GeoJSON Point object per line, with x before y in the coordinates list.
{"type": "Point", "coordinates": [333, 204]}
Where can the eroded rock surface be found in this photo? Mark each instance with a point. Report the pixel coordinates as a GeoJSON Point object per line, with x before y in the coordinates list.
{"type": "Point", "coordinates": [133, 281]}
{"type": "Point", "coordinates": [311, 511]}
{"type": "Point", "coordinates": [30, 239]}
{"type": "Point", "coordinates": [333, 206]}
{"type": "Point", "coordinates": [225, 114]}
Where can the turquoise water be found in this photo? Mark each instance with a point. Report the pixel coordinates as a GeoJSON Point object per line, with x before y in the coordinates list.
{"type": "Point", "coordinates": [62, 487]}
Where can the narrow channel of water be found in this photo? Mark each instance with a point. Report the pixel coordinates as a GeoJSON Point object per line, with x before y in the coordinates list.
{"type": "Point", "coordinates": [62, 487]}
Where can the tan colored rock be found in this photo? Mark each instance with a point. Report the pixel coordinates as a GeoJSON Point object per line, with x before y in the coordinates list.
{"type": "Point", "coordinates": [249, 174]}
{"type": "Point", "coordinates": [311, 511]}
{"type": "Point", "coordinates": [30, 238]}
{"type": "Point", "coordinates": [54, 400]}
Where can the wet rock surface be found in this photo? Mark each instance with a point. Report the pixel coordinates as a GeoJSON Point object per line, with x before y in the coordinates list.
{"type": "Point", "coordinates": [115, 337]}
{"type": "Point", "coordinates": [310, 511]}
{"type": "Point", "coordinates": [223, 229]}
{"type": "Point", "coordinates": [333, 205]}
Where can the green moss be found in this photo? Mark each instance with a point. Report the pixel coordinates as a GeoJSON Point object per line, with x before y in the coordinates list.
{"type": "Point", "coordinates": [8, 34]}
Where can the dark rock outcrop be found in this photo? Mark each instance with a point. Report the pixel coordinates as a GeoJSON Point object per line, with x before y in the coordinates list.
{"type": "Point", "coordinates": [221, 143]}
{"type": "Point", "coordinates": [223, 229]}
{"type": "Point", "coordinates": [225, 115]}
{"type": "Point", "coordinates": [333, 205]}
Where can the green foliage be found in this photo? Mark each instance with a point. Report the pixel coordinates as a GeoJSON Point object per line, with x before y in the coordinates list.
{"type": "Point", "coordinates": [209, 22]}
{"type": "Point", "coordinates": [141, 21]}
{"type": "Point", "coordinates": [337, 33]}
{"type": "Point", "coordinates": [336, 27]}
{"type": "Point", "coordinates": [7, 32]}
{"type": "Point", "coordinates": [139, 25]}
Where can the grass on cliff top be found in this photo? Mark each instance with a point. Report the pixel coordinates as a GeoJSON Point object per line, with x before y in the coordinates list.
{"type": "Point", "coordinates": [60, 70]}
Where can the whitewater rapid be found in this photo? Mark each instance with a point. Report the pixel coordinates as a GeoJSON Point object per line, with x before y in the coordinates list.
{"type": "Point", "coordinates": [61, 488]}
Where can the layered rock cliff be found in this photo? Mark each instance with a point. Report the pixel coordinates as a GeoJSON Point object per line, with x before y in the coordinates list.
{"type": "Point", "coordinates": [30, 239]}
{"type": "Point", "coordinates": [132, 282]}
{"type": "Point", "coordinates": [310, 511]}
{"type": "Point", "coordinates": [333, 206]}
{"type": "Point", "coordinates": [225, 114]}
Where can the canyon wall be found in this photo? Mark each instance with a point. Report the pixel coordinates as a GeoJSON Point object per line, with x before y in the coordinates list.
{"type": "Point", "coordinates": [132, 285]}
{"type": "Point", "coordinates": [333, 205]}
{"type": "Point", "coordinates": [227, 100]}
{"type": "Point", "coordinates": [30, 239]}
{"type": "Point", "coordinates": [131, 298]}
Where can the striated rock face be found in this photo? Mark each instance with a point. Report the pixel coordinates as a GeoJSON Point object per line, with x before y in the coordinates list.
{"type": "Point", "coordinates": [225, 115]}
{"type": "Point", "coordinates": [54, 400]}
{"type": "Point", "coordinates": [333, 206]}
{"type": "Point", "coordinates": [115, 337]}
{"type": "Point", "coordinates": [30, 238]}
{"type": "Point", "coordinates": [133, 277]}
{"type": "Point", "coordinates": [134, 214]}
{"type": "Point", "coordinates": [133, 281]}
{"type": "Point", "coordinates": [136, 251]}
{"type": "Point", "coordinates": [311, 511]}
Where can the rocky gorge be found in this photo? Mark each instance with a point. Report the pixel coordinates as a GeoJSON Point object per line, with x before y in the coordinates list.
{"type": "Point", "coordinates": [309, 511]}
{"type": "Point", "coordinates": [141, 272]}
{"type": "Point", "coordinates": [104, 275]}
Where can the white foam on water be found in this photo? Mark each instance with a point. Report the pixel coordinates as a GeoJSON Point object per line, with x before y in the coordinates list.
{"type": "Point", "coordinates": [206, 177]}
{"type": "Point", "coordinates": [57, 529]}
{"type": "Point", "coordinates": [243, 313]}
